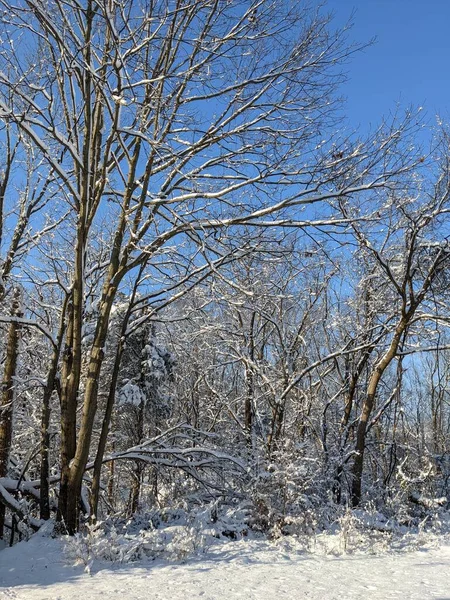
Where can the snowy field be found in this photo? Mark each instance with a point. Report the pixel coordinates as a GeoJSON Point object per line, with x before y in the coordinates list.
{"type": "Point", "coordinates": [250, 570]}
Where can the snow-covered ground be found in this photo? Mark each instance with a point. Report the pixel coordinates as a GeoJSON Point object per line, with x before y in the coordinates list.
{"type": "Point", "coordinates": [250, 570]}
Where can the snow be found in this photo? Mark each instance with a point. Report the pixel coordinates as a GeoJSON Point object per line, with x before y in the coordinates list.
{"type": "Point", "coordinates": [250, 569]}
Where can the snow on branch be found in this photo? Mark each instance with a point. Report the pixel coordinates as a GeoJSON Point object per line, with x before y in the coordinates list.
{"type": "Point", "coordinates": [429, 503]}
{"type": "Point", "coordinates": [29, 323]}
{"type": "Point", "coordinates": [17, 508]}
{"type": "Point", "coordinates": [180, 447]}
{"type": "Point", "coordinates": [421, 477]}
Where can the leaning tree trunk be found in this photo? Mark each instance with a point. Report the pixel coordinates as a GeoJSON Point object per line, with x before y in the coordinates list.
{"type": "Point", "coordinates": [7, 395]}
{"type": "Point", "coordinates": [98, 462]}
{"type": "Point", "coordinates": [368, 405]}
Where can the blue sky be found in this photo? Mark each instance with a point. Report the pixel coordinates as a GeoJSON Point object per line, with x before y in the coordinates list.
{"type": "Point", "coordinates": [409, 62]}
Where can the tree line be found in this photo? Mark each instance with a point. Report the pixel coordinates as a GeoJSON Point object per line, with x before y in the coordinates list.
{"type": "Point", "coordinates": [205, 278]}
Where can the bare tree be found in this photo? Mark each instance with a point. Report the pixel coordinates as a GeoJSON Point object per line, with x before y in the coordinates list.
{"type": "Point", "coordinates": [7, 394]}
{"type": "Point", "coordinates": [408, 244]}
{"type": "Point", "coordinates": [22, 225]}
{"type": "Point", "coordinates": [168, 120]}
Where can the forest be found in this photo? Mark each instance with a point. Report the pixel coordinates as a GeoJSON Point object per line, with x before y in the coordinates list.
{"type": "Point", "coordinates": [214, 293]}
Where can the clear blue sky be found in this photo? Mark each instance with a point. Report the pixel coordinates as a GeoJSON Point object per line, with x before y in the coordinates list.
{"type": "Point", "coordinates": [409, 62]}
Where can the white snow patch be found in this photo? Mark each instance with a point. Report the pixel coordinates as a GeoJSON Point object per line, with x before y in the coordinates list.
{"type": "Point", "coordinates": [247, 569]}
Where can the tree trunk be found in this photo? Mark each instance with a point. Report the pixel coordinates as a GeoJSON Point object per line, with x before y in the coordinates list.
{"type": "Point", "coordinates": [70, 509]}
{"type": "Point", "coordinates": [345, 430]}
{"type": "Point", "coordinates": [133, 504]}
{"type": "Point", "coordinates": [95, 488]}
{"type": "Point", "coordinates": [70, 380]}
{"type": "Point", "coordinates": [368, 405]}
{"type": "Point", "coordinates": [8, 395]}
{"type": "Point", "coordinates": [96, 478]}
{"type": "Point", "coordinates": [250, 383]}
{"type": "Point", "coordinates": [51, 383]}
{"type": "Point", "coordinates": [138, 468]}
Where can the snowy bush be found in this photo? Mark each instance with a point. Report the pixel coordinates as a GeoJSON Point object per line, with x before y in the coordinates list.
{"type": "Point", "coordinates": [172, 535]}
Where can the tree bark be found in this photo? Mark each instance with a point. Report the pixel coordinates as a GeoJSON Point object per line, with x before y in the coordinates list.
{"type": "Point", "coordinates": [8, 395]}
{"type": "Point", "coordinates": [98, 462]}
{"type": "Point", "coordinates": [250, 383]}
{"type": "Point", "coordinates": [51, 383]}
{"type": "Point", "coordinates": [79, 460]}
{"type": "Point", "coordinates": [368, 405]}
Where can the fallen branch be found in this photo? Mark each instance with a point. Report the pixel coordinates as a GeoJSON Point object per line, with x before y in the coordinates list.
{"type": "Point", "coordinates": [14, 506]}
{"type": "Point", "coordinates": [430, 503]}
